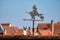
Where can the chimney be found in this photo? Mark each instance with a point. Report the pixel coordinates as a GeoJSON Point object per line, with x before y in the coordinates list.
{"type": "Point", "coordinates": [10, 25]}
{"type": "Point", "coordinates": [52, 27]}
{"type": "Point", "coordinates": [24, 30]}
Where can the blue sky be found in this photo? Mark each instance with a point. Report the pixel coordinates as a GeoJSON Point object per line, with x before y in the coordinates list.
{"type": "Point", "coordinates": [14, 11]}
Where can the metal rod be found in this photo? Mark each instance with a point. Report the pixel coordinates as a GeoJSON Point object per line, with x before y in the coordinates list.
{"type": "Point", "coordinates": [33, 27]}
{"type": "Point", "coordinates": [31, 20]}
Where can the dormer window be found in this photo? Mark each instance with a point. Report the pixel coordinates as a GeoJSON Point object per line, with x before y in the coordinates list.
{"type": "Point", "coordinates": [1, 29]}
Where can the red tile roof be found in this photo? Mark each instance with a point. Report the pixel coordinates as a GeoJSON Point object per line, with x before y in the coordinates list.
{"type": "Point", "coordinates": [5, 24]}
{"type": "Point", "coordinates": [13, 30]}
{"type": "Point", "coordinates": [45, 32]}
{"type": "Point", "coordinates": [48, 26]}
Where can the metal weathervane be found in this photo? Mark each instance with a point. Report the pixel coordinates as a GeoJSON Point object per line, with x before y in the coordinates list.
{"type": "Point", "coordinates": [34, 13]}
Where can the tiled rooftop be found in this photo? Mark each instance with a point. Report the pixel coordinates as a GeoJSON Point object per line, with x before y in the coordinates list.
{"type": "Point", "coordinates": [44, 29]}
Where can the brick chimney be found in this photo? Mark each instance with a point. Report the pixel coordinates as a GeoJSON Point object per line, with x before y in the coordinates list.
{"type": "Point", "coordinates": [52, 27]}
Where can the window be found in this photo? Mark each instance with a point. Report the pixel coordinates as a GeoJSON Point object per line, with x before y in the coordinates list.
{"type": "Point", "coordinates": [59, 33]}
{"type": "Point", "coordinates": [45, 28]}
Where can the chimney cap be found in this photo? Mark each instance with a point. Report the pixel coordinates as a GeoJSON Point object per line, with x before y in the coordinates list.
{"type": "Point", "coordinates": [51, 20]}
